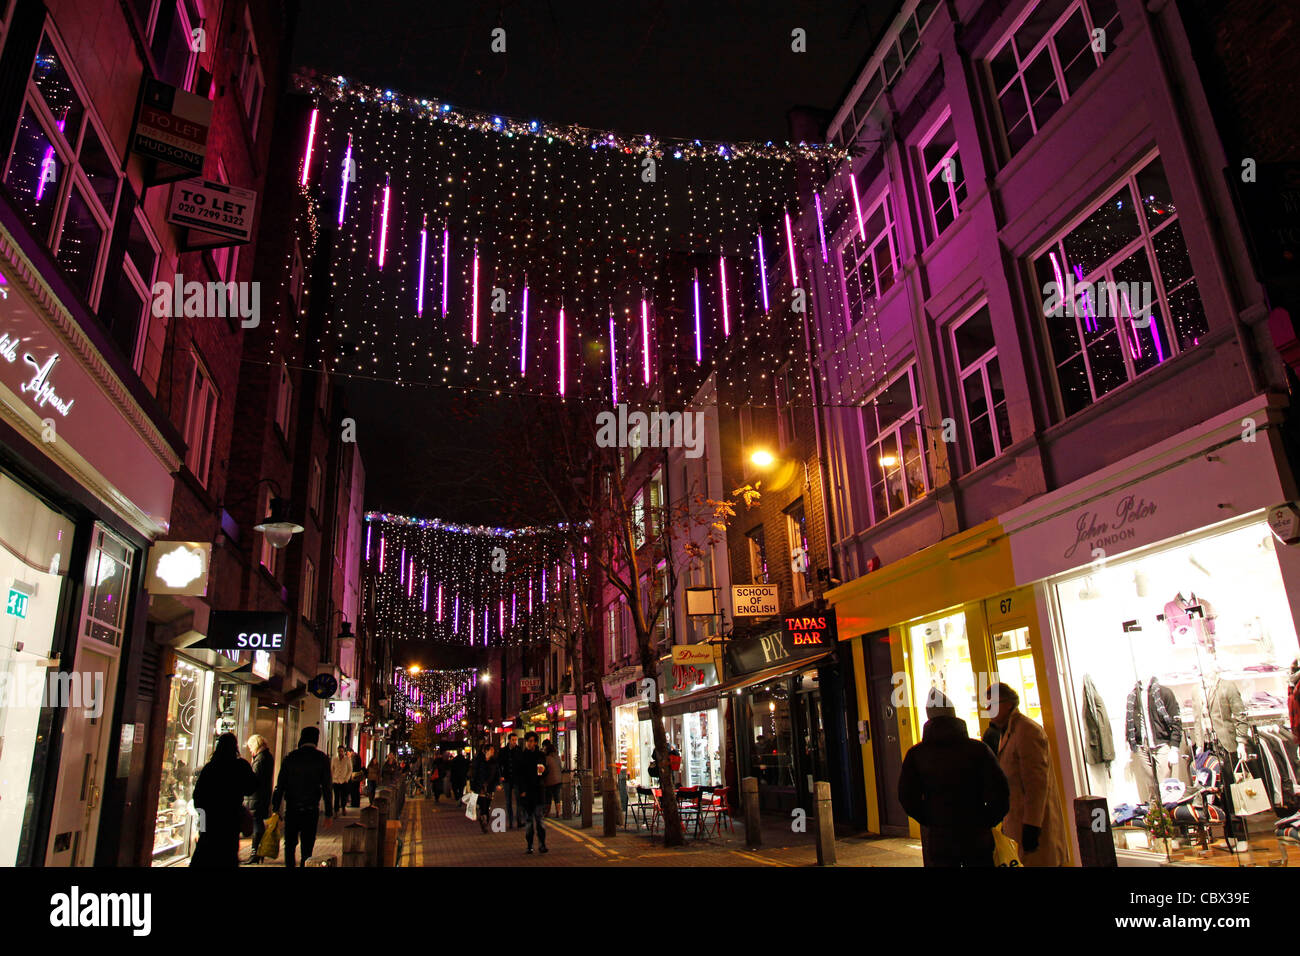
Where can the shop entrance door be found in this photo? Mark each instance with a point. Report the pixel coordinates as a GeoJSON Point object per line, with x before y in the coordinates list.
{"type": "Point", "coordinates": [884, 732]}
{"type": "Point", "coordinates": [812, 765]}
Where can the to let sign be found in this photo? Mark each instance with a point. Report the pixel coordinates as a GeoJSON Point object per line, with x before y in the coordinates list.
{"type": "Point", "coordinates": [214, 208]}
{"type": "Point", "coordinates": [172, 126]}
{"type": "Point", "coordinates": [246, 630]}
{"type": "Point", "coordinates": [754, 600]}
{"type": "Point", "coordinates": [530, 685]}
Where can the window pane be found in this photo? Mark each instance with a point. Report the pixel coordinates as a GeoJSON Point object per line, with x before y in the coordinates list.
{"type": "Point", "coordinates": [1105, 14]}
{"type": "Point", "coordinates": [895, 401]}
{"type": "Point", "coordinates": [913, 461]}
{"type": "Point", "coordinates": [1038, 23]}
{"type": "Point", "coordinates": [1004, 425]}
{"type": "Point", "coordinates": [1157, 199]}
{"type": "Point", "coordinates": [1040, 82]}
{"type": "Point", "coordinates": [972, 387]}
{"type": "Point", "coordinates": [121, 309]}
{"type": "Point", "coordinates": [1106, 360]}
{"type": "Point", "coordinates": [938, 145]}
{"type": "Point", "coordinates": [876, 474]}
{"type": "Point", "coordinates": [1074, 51]}
{"type": "Point", "coordinates": [34, 175]}
{"type": "Point", "coordinates": [1171, 255]}
{"type": "Point", "coordinates": [908, 37]}
{"type": "Point", "coordinates": [80, 242]}
{"type": "Point", "coordinates": [1073, 379]}
{"type": "Point", "coordinates": [140, 251]}
{"type": "Point", "coordinates": [172, 48]}
{"type": "Point", "coordinates": [1108, 230]}
{"type": "Point", "coordinates": [974, 337]}
{"type": "Point", "coordinates": [1138, 312]}
{"type": "Point", "coordinates": [1188, 315]}
{"type": "Point", "coordinates": [1015, 112]}
{"type": "Point", "coordinates": [981, 440]}
{"type": "Point", "coordinates": [56, 89]}
{"type": "Point", "coordinates": [1003, 67]}
{"type": "Point", "coordinates": [99, 170]}
{"type": "Point", "coordinates": [893, 466]}
{"type": "Point", "coordinates": [884, 261]}
{"type": "Point", "coordinates": [893, 63]}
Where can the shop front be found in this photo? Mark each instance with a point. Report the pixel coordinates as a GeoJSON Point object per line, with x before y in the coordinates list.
{"type": "Point", "coordinates": [1172, 606]}
{"type": "Point", "coordinates": [947, 618]}
{"type": "Point", "coordinates": [86, 464]}
{"type": "Point", "coordinates": [691, 716]}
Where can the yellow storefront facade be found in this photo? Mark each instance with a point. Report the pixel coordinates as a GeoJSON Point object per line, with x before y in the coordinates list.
{"type": "Point", "coordinates": [951, 617]}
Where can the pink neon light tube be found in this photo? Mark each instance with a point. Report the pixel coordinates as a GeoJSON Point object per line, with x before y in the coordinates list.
{"type": "Point", "coordinates": [561, 362]}
{"type": "Point", "coordinates": [473, 326]}
{"type": "Point", "coordinates": [446, 264]}
{"type": "Point", "coordinates": [383, 225]}
{"type": "Point", "coordinates": [347, 169]}
{"type": "Point", "coordinates": [726, 316]}
{"type": "Point", "coordinates": [699, 345]}
{"type": "Point", "coordinates": [613, 361]}
{"type": "Point", "coordinates": [645, 340]}
{"type": "Point", "coordinates": [789, 242]}
{"type": "Point", "coordinates": [762, 271]}
{"type": "Point", "coordinates": [419, 295]}
{"type": "Point", "coordinates": [523, 335]}
{"type": "Point", "coordinates": [821, 229]}
{"type": "Point", "coordinates": [311, 139]}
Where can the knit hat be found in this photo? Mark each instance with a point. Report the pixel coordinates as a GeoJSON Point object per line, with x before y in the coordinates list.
{"type": "Point", "coordinates": [937, 704]}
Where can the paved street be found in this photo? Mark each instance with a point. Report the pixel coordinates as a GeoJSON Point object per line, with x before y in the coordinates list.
{"type": "Point", "coordinates": [438, 834]}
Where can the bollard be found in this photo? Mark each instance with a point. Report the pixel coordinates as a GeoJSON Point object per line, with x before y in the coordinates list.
{"type": "Point", "coordinates": [586, 798]}
{"type": "Point", "coordinates": [749, 804]}
{"type": "Point", "coordinates": [566, 795]}
{"type": "Point", "coordinates": [383, 803]}
{"type": "Point", "coordinates": [370, 821]}
{"type": "Point", "coordinates": [354, 844]}
{"type": "Point", "coordinates": [1092, 826]}
{"type": "Point", "coordinates": [608, 804]}
{"type": "Point", "coordinates": [825, 824]}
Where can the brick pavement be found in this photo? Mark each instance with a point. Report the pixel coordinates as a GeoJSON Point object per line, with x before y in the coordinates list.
{"type": "Point", "coordinates": [438, 834]}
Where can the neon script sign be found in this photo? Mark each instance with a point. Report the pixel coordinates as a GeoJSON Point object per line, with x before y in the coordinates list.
{"type": "Point", "coordinates": [39, 386]}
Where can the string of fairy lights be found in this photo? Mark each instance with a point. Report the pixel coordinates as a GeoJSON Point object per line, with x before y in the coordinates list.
{"type": "Point", "coordinates": [459, 584]}
{"type": "Point", "coordinates": [438, 698]}
{"type": "Point", "coordinates": [487, 253]}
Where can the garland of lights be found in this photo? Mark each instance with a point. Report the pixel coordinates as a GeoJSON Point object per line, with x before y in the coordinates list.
{"type": "Point", "coordinates": [460, 584]}
{"type": "Point", "coordinates": [340, 88]}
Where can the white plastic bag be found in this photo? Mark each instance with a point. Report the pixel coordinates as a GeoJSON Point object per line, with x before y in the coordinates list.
{"type": "Point", "coordinates": [471, 806]}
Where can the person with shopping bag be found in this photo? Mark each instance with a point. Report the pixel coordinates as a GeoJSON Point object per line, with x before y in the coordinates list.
{"type": "Point", "coordinates": [952, 785]}
{"type": "Point", "coordinates": [1036, 820]}
{"type": "Point", "coordinates": [486, 781]}
{"type": "Point", "coordinates": [259, 803]}
{"type": "Point", "coordinates": [219, 797]}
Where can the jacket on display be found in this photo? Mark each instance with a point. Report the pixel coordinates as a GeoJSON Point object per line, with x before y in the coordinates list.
{"type": "Point", "coordinates": [1162, 709]}
{"type": "Point", "coordinates": [1098, 740]}
{"type": "Point", "coordinates": [953, 786]}
{"type": "Point", "coordinates": [1293, 701]}
{"type": "Point", "coordinates": [1026, 759]}
{"type": "Point", "coordinates": [1228, 715]}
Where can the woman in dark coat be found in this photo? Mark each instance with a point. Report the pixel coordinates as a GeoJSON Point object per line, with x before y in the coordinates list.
{"type": "Point", "coordinates": [487, 777]}
{"type": "Point", "coordinates": [260, 801]}
{"type": "Point", "coordinates": [218, 795]}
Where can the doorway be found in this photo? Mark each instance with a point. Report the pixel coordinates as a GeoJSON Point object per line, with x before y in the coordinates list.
{"type": "Point", "coordinates": [885, 740]}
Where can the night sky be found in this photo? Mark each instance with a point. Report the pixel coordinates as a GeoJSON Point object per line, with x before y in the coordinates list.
{"type": "Point", "coordinates": [716, 71]}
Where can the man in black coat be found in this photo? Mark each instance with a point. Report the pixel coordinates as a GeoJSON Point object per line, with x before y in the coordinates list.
{"type": "Point", "coordinates": [509, 754]}
{"type": "Point", "coordinates": [459, 771]}
{"type": "Point", "coordinates": [529, 768]}
{"type": "Point", "coordinates": [952, 786]}
{"type": "Point", "coordinates": [305, 781]}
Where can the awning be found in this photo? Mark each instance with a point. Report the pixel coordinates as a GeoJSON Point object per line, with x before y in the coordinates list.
{"type": "Point", "coordinates": [709, 696]}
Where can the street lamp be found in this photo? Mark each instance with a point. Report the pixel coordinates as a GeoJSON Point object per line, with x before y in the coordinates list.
{"type": "Point", "coordinates": [487, 677]}
{"type": "Point", "coordinates": [762, 458]}
{"type": "Point", "coordinates": [277, 527]}
{"type": "Point", "coordinates": [413, 669]}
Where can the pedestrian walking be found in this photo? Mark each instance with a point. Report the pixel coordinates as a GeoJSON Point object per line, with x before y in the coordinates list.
{"type": "Point", "coordinates": [259, 803]}
{"type": "Point", "coordinates": [952, 785]}
{"type": "Point", "coordinates": [1035, 818]}
{"type": "Point", "coordinates": [551, 780]}
{"type": "Point", "coordinates": [439, 776]}
{"type": "Point", "coordinates": [305, 780]}
{"type": "Point", "coordinates": [358, 775]}
{"type": "Point", "coordinates": [486, 781]}
{"type": "Point", "coordinates": [390, 772]}
{"type": "Point", "coordinates": [341, 774]}
{"type": "Point", "coordinates": [530, 770]}
{"type": "Point", "coordinates": [509, 755]}
{"type": "Point", "coordinates": [372, 779]}
{"type": "Point", "coordinates": [219, 797]}
{"type": "Point", "coordinates": [459, 773]}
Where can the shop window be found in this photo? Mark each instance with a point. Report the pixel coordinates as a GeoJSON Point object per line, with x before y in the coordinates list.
{"type": "Point", "coordinates": [1046, 59]}
{"type": "Point", "coordinates": [1184, 648]}
{"type": "Point", "coordinates": [307, 608]}
{"type": "Point", "coordinates": [611, 632]}
{"type": "Point", "coordinates": [1015, 664]}
{"type": "Point", "coordinates": [125, 308]}
{"type": "Point", "coordinates": [283, 401]}
{"type": "Point", "coordinates": [184, 737]}
{"type": "Point", "coordinates": [940, 660]}
{"type": "Point", "coordinates": [945, 179]}
{"type": "Point", "coordinates": [1126, 299]}
{"type": "Point", "coordinates": [200, 423]}
{"type": "Point", "coordinates": [895, 446]}
{"type": "Point", "coordinates": [108, 588]}
{"type": "Point", "coordinates": [784, 384]}
{"type": "Point", "coordinates": [62, 180]}
{"type": "Point", "coordinates": [252, 83]}
{"type": "Point", "coordinates": [869, 266]}
{"type": "Point", "coordinates": [796, 529]}
{"type": "Point", "coordinates": [988, 427]}
{"type": "Point", "coordinates": [770, 732]}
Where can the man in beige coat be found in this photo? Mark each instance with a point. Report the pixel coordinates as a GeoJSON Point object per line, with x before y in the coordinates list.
{"type": "Point", "coordinates": [1035, 819]}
